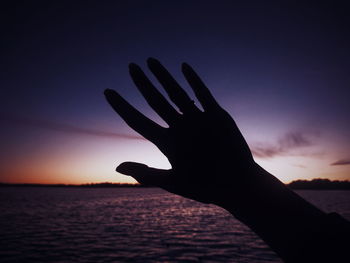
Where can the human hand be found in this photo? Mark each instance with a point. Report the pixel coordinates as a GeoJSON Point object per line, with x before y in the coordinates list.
{"type": "Point", "coordinates": [209, 157]}
{"type": "Point", "coordinates": [211, 162]}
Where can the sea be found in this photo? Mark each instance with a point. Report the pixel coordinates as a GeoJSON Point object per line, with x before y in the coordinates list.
{"type": "Point", "coordinates": [62, 224]}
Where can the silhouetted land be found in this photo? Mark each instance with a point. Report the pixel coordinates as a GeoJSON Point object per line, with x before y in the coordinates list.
{"type": "Point", "coordinates": [315, 184]}
{"type": "Point", "coordinates": [320, 184]}
{"type": "Point", "coordinates": [92, 185]}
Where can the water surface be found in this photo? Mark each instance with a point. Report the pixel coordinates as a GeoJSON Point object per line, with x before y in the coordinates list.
{"type": "Point", "coordinates": [39, 224]}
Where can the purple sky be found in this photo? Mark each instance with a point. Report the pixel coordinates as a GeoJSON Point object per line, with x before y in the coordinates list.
{"type": "Point", "coordinates": [282, 71]}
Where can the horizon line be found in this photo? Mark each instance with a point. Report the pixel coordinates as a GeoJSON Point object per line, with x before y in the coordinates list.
{"type": "Point", "coordinates": [138, 184]}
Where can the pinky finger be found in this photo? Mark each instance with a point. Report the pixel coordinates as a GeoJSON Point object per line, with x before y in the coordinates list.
{"type": "Point", "coordinates": [135, 119]}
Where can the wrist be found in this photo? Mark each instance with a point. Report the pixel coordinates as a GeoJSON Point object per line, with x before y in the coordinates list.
{"type": "Point", "coordinates": [263, 193]}
{"type": "Point", "coordinates": [274, 212]}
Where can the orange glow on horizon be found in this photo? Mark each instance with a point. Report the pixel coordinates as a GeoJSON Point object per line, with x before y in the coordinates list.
{"type": "Point", "coordinates": [98, 165]}
{"type": "Point", "coordinates": [86, 159]}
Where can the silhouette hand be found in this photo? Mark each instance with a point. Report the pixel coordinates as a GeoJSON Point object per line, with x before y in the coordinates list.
{"type": "Point", "coordinates": [207, 152]}
{"type": "Point", "coordinates": [212, 163]}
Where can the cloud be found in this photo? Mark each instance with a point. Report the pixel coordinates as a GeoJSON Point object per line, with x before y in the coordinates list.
{"type": "Point", "coordinates": [299, 165]}
{"type": "Point", "coordinates": [295, 140]}
{"type": "Point", "coordinates": [341, 162]}
{"type": "Point", "coordinates": [63, 127]}
{"type": "Point", "coordinates": [286, 145]}
{"type": "Point", "coordinates": [265, 151]}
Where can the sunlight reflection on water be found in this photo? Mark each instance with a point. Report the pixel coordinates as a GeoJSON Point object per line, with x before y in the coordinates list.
{"type": "Point", "coordinates": [129, 224]}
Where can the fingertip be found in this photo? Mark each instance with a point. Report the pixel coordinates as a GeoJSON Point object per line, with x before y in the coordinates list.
{"type": "Point", "coordinates": [133, 66]}
{"type": "Point", "coordinates": [152, 61]}
{"type": "Point", "coordinates": [122, 169]}
{"type": "Point", "coordinates": [130, 168]}
{"type": "Point", "coordinates": [113, 98]}
{"type": "Point", "coordinates": [108, 92]}
{"type": "Point", "coordinates": [111, 95]}
{"type": "Point", "coordinates": [186, 67]}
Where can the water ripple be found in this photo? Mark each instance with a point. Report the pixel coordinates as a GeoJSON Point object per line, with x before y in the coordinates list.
{"type": "Point", "coordinates": [127, 225]}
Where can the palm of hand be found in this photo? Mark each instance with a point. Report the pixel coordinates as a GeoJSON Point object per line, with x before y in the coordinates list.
{"type": "Point", "coordinates": [200, 146]}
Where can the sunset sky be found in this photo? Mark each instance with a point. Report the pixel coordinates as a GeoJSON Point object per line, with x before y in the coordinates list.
{"type": "Point", "coordinates": [281, 70]}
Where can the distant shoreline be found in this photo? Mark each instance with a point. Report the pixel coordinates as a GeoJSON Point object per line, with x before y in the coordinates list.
{"type": "Point", "coordinates": [315, 184]}
{"type": "Point", "coordinates": [320, 184]}
{"type": "Point", "coordinates": [92, 185]}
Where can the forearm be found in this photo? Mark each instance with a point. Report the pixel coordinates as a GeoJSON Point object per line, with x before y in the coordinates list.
{"type": "Point", "coordinates": [295, 229]}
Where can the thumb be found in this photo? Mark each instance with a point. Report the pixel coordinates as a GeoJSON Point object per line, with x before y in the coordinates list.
{"type": "Point", "coordinates": [143, 174]}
